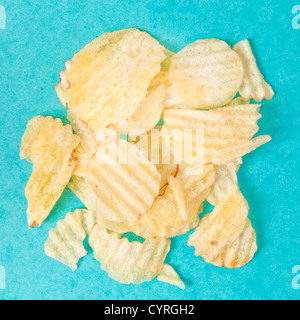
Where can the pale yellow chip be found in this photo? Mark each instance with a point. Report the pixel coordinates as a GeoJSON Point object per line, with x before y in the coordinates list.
{"type": "Point", "coordinates": [49, 146]}
{"type": "Point", "coordinates": [169, 275]}
{"type": "Point", "coordinates": [238, 101]}
{"type": "Point", "coordinates": [176, 211]}
{"type": "Point", "coordinates": [107, 80]}
{"type": "Point", "coordinates": [225, 178]}
{"type": "Point", "coordinates": [254, 86]}
{"type": "Point", "coordinates": [223, 236]}
{"type": "Point", "coordinates": [124, 189]}
{"type": "Point", "coordinates": [88, 143]}
{"type": "Point", "coordinates": [65, 241]}
{"type": "Point", "coordinates": [227, 131]}
{"type": "Point", "coordinates": [158, 152]}
{"type": "Point", "coordinates": [241, 251]}
{"type": "Point", "coordinates": [148, 114]}
{"type": "Point", "coordinates": [128, 262]}
{"type": "Point", "coordinates": [205, 74]}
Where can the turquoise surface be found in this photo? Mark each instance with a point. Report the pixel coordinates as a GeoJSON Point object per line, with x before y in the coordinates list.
{"type": "Point", "coordinates": [41, 35]}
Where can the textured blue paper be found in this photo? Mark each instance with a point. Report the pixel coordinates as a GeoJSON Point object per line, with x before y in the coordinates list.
{"type": "Point", "coordinates": [41, 35]}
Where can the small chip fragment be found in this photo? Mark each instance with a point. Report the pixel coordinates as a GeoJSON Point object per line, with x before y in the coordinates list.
{"type": "Point", "coordinates": [205, 74]}
{"type": "Point", "coordinates": [128, 262]}
{"type": "Point", "coordinates": [254, 86]}
{"type": "Point", "coordinates": [169, 275]}
{"type": "Point", "coordinates": [49, 146]}
{"type": "Point", "coordinates": [65, 241]}
{"type": "Point", "coordinates": [225, 177]}
{"type": "Point", "coordinates": [224, 237]}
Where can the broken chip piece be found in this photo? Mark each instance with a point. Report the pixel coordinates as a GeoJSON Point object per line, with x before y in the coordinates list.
{"type": "Point", "coordinates": [128, 262]}
{"type": "Point", "coordinates": [49, 146]}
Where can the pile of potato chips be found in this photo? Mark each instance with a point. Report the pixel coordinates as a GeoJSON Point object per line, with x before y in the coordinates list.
{"type": "Point", "coordinates": [187, 120]}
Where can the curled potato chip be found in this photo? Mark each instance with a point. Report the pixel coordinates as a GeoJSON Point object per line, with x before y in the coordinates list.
{"type": "Point", "coordinates": [106, 81]}
{"type": "Point", "coordinates": [65, 241]}
{"type": "Point", "coordinates": [205, 74]}
{"type": "Point", "coordinates": [148, 114]}
{"type": "Point", "coordinates": [169, 275]}
{"type": "Point", "coordinates": [253, 86]}
{"type": "Point", "coordinates": [49, 146]}
{"type": "Point", "coordinates": [223, 236]}
{"type": "Point", "coordinates": [118, 184]}
{"type": "Point", "coordinates": [165, 218]}
{"type": "Point", "coordinates": [158, 153]}
{"type": "Point", "coordinates": [227, 130]}
{"type": "Point", "coordinates": [128, 262]}
{"type": "Point", "coordinates": [225, 177]}
{"type": "Point", "coordinates": [88, 143]}
{"type": "Point", "coordinates": [241, 251]}
{"type": "Point", "coordinates": [238, 101]}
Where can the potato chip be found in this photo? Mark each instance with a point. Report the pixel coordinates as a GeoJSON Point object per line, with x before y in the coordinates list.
{"type": "Point", "coordinates": [223, 236]}
{"type": "Point", "coordinates": [241, 251]}
{"type": "Point", "coordinates": [227, 130]}
{"type": "Point", "coordinates": [225, 177]}
{"type": "Point", "coordinates": [205, 74]}
{"type": "Point", "coordinates": [82, 190]}
{"type": "Point", "coordinates": [108, 78]}
{"type": "Point", "coordinates": [49, 146]}
{"type": "Point", "coordinates": [158, 153]}
{"type": "Point", "coordinates": [65, 241]}
{"type": "Point", "coordinates": [165, 218]}
{"type": "Point", "coordinates": [254, 86]}
{"type": "Point", "coordinates": [233, 152]}
{"type": "Point", "coordinates": [238, 102]}
{"type": "Point", "coordinates": [148, 114]}
{"type": "Point", "coordinates": [128, 262]}
{"type": "Point", "coordinates": [169, 275]}
{"type": "Point", "coordinates": [88, 143]}
{"type": "Point", "coordinates": [124, 190]}
{"type": "Point", "coordinates": [87, 219]}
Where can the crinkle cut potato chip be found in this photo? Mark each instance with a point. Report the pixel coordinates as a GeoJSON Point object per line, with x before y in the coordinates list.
{"type": "Point", "coordinates": [225, 177]}
{"type": "Point", "coordinates": [148, 114]}
{"type": "Point", "coordinates": [124, 190]}
{"type": "Point", "coordinates": [225, 237]}
{"type": "Point", "coordinates": [158, 153]}
{"type": "Point", "coordinates": [227, 131]}
{"type": "Point", "coordinates": [253, 86]}
{"type": "Point", "coordinates": [108, 79]}
{"type": "Point", "coordinates": [49, 146]}
{"type": "Point", "coordinates": [88, 143]}
{"type": "Point", "coordinates": [205, 74]}
{"type": "Point", "coordinates": [128, 262]}
{"type": "Point", "coordinates": [165, 218]}
{"type": "Point", "coordinates": [65, 241]}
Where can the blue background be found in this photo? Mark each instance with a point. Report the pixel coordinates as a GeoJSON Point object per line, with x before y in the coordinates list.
{"type": "Point", "coordinates": [41, 35]}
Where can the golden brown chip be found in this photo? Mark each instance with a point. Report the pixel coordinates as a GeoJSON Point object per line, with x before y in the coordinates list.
{"type": "Point", "coordinates": [49, 146]}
